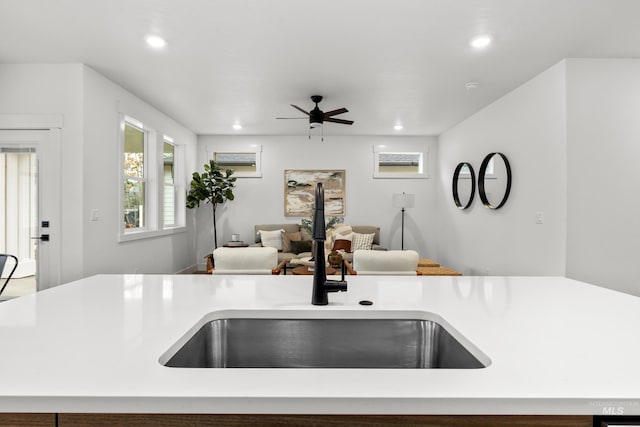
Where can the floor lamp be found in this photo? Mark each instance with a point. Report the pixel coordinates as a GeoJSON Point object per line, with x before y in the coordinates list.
{"type": "Point", "coordinates": [403, 201]}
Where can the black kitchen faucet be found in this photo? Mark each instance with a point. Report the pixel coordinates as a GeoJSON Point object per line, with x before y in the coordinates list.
{"type": "Point", "coordinates": [321, 286]}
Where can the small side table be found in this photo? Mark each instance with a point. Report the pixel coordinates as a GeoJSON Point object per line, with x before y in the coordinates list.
{"type": "Point", "coordinates": [209, 258]}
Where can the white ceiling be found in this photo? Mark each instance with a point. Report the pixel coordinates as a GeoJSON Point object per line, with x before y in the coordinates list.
{"type": "Point", "coordinates": [386, 61]}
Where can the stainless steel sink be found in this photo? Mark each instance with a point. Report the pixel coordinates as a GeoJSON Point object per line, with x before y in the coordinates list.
{"type": "Point", "coordinates": [322, 343]}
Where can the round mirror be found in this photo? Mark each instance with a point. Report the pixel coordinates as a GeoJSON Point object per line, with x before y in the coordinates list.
{"type": "Point", "coordinates": [464, 185]}
{"type": "Point", "coordinates": [494, 181]}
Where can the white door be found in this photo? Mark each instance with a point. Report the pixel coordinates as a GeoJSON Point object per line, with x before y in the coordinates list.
{"type": "Point", "coordinates": [29, 200]}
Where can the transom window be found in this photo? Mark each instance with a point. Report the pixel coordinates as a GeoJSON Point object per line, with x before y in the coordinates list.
{"type": "Point", "coordinates": [399, 162]}
{"type": "Point", "coordinates": [244, 161]}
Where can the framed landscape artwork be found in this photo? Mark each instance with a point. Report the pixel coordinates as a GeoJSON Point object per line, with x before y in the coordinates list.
{"type": "Point", "coordinates": [300, 191]}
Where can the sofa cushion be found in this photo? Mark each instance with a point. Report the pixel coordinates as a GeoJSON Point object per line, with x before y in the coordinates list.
{"type": "Point", "coordinates": [286, 256]}
{"type": "Point", "coordinates": [368, 229]}
{"type": "Point", "coordinates": [287, 227]}
{"type": "Point", "coordinates": [287, 238]}
{"type": "Point", "coordinates": [300, 246]}
{"type": "Point", "coordinates": [342, 232]}
{"type": "Point", "coordinates": [271, 239]}
{"type": "Point", "coordinates": [361, 241]}
{"type": "Point", "coordinates": [338, 231]}
{"type": "Point", "coordinates": [342, 244]}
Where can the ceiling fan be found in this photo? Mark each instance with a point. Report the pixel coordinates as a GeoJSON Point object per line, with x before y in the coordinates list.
{"type": "Point", "coordinates": [317, 116]}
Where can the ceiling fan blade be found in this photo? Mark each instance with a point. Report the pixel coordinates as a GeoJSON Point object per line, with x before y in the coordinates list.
{"type": "Point", "coordinates": [299, 109]}
{"type": "Point", "coordinates": [344, 122]}
{"type": "Point", "coordinates": [335, 112]}
{"type": "Point", "coordinates": [292, 118]}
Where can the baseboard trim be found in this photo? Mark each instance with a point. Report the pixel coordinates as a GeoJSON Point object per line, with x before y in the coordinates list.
{"type": "Point", "coordinates": [189, 270]}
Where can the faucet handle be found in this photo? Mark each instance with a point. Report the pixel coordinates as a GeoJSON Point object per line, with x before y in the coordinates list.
{"type": "Point", "coordinates": [335, 285]}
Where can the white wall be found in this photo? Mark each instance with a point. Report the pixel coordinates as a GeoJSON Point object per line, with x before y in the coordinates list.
{"type": "Point", "coordinates": [570, 134]}
{"type": "Point", "coordinates": [89, 104]}
{"type": "Point", "coordinates": [603, 211]}
{"type": "Point", "coordinates": [54, 89]}
{"type": "Point", "coordinates": [103, 101]}
{"type": "Point", "coordinates": [368, 200]}
{"type": "Point", "coordinates": [528, 126]}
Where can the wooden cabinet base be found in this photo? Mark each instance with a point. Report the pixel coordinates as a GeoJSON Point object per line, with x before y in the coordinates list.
{"type": "Point", "coordinates": [168, 420]}
{"type": "Point", "coordinates": [27, 420]}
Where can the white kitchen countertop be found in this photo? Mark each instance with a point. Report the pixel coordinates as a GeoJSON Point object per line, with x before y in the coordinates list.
{"type": "Point", "coordinates": [556, 346]}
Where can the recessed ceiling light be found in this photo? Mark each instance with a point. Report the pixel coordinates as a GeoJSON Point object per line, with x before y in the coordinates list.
{"type": "Point", "coordinates": [398, 127]}
{"type": "Point", "coordinates": [237, 126]}
{"type": "Point", "coordinates": [480, 41]}
{"type": "Point", "coordinates": [156, 42]}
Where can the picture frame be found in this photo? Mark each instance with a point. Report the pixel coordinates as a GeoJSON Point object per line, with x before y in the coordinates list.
{"type": "Point", "coordinates": [300, 187]}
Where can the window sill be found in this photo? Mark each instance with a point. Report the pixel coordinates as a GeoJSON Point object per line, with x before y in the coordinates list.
{"type": "Point", "coordinates": [148, 234]}
{"type": "Point", "coordinates": [384, 175]}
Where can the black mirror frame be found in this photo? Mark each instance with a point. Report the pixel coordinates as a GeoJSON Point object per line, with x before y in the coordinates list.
{"type": "Point", "coordinates": [456, 176]}
{"type": "Point", "coordinates": [483, 172]}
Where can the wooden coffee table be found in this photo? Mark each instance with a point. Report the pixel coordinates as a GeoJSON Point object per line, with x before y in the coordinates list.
{"type": "Point", "coordinates": [303, 270]}
{"type": "Point", "coordinates": [425, 262]}
{"type": "Point", "coordinates": [438, 271]}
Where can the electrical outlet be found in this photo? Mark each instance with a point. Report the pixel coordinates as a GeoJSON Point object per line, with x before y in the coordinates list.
{"type": "Point", "coordinates": [95, 214]}
{"type": "Point", "coordinates": [539, 217]}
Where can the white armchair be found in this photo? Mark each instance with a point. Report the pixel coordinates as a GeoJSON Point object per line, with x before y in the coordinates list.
{"type": "Point", "coordinates": [252, 260]}
{"type": "Point", "coordinates": [390, 263]}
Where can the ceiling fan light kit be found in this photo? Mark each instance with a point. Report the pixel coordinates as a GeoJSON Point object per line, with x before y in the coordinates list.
{"type": "Point", "coordinates": [317, 117]}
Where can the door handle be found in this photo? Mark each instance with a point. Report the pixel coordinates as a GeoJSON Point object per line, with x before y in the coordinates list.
{"type": "Point", "coordinates": [42, 238]}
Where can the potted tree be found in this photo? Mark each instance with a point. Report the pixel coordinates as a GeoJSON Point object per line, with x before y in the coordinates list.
{"type": "Point", "coordinates": [214, 186]}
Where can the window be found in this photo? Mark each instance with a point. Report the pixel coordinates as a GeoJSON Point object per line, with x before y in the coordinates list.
{"type": "Point", "coordinates": [404, 163]}
{"type": "Point", "coordinates": [399, 163]}
{"type": "Point", "coordinates": [244, 161]}
{"type": "Point", "coordinates": [151, 200]}
{"type": "Point", "coordinates": [169, 179]}
{"type": "Point", "coordinates": [239, 162]}
{"type": "Point", "coordinates": [135, 141]}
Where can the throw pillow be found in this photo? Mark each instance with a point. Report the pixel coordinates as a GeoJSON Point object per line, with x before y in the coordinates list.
{"type": "Point", "coordinates": [287, 238]}
{"type": "Point", "coordinates": [362, 241]}
{"type": "Point", "coordinates": [297, 247]}
{"type": "Point", "coordinates": [338, 231]}
{"type": "Point", "coordinates": [271, 239]}
{"type": "Point", "coordinates": [342, 245]}
{"type": "Point", "coordinates": [328, 242]}
{"type": "Point", "coordinates": [342, 232]}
